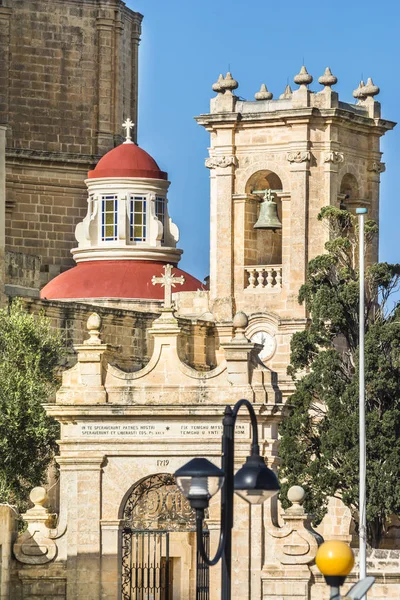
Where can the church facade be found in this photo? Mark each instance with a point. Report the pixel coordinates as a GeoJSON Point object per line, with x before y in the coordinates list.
{"type": "Point", "coordinates": [158, 355]}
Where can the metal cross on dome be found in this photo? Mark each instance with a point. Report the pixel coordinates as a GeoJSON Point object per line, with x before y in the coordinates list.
{"type": "Point", "coordinates": [128, 125]}
{"type": "Point", "coordinates": [168, 281]}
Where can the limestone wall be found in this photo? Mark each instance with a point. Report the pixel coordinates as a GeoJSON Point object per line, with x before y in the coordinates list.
{"type": "Point", "coordinates": [68, 75]}
{"type": "Point", "coordinates": [7, 535]}
{"type": "Point", "coordinates": [127, 331]}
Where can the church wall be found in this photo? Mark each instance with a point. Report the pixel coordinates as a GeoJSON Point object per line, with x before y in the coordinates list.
{"type": "Point", "coordinates": [127, 332]}
{"type": "Point", "coordinates": [69, 75]}
{"type": "Point", "coordinates": [44, 204]}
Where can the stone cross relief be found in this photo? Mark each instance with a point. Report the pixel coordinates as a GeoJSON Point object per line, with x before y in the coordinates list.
{"type": "Point", "coordinates": [168, 281]}
{"type": "Point", "coordinates": [128, 125]}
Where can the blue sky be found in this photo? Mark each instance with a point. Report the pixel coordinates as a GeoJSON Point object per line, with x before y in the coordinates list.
{"type": "Point", "coordinates": [187, 43]}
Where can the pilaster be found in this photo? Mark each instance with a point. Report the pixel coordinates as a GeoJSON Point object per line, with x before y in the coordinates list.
{"type": "Point", "coordinates": [135, 40]}
{"type": "Point", "coordinates": [299, 165]}
{"type": "Point", "coordinates": [3, 131]}
{"type": "Point", "coordinates": [222, 163]}
{"type": "Point", "coordinates": [84, 473]}
{"type": "Point", "coordinates": [105, 92]}
{"type": "Point", "coordinates": [5, 18]}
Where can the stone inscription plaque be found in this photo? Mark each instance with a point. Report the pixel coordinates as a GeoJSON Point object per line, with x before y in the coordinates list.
{"type": "Point", "coordinates": [153, 429]}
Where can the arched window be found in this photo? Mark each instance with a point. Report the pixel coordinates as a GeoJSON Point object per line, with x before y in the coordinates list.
{"type": "Point", "coordinates": [265, 245]}
{"type": "Point", "coordinates": [109, 218]}
{"type": "Point", "coordinates": [137, 219]}
{"type": "Point", "coordinates": [349, 191]}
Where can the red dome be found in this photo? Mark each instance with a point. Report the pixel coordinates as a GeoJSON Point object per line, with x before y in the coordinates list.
{"type": "Point", "coordinates": [114, 279]}
{"type": "Point", "coordinates": [127, 160]}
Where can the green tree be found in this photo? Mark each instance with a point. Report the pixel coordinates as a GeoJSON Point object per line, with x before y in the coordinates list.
{"type": "Point", "coordinates": [29, 354]}
{"type": "Point", "coordinates": [319, 435]}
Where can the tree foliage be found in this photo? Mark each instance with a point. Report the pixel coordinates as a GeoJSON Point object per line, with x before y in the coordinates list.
{"type": "Point", "coordinates": [29, 354]}
{"type": "Point", "coordinates": [319, 444]}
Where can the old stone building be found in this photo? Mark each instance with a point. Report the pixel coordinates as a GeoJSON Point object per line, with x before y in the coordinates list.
{"type": "Point", "coordinates": [68, 77]}
{"type": "Point", "coordinates": [162, 355]}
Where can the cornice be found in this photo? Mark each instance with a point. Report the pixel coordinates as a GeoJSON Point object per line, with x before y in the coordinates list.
{"type": "Point", "coordinates": [294, 115]}
{"type": "Point", "coordinates": [14, 155]}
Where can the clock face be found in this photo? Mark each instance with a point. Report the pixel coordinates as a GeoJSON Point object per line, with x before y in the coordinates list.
{"type": "Point", "coordinates": [268, 344]}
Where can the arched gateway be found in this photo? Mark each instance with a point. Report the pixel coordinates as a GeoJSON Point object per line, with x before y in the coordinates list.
{"type": "Point", "coordinates": [158, 544]}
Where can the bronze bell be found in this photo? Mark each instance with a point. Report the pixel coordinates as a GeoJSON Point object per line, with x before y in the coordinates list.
{"type": "Point", "coordinates": [268, 217]}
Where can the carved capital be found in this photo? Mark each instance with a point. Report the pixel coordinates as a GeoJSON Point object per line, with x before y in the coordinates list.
{"type": "Point", "coordinates": [298, 156]}
{"type": "Point", "coordinates": [334, 157]}
{"type": "Point", "coordinates": [376, 167]}
{"type": "Point", "coordinates": [220, 161]}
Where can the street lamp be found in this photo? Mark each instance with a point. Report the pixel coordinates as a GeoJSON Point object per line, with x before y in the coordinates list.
{"type": "Point", "coordinates": [335, 560]}
{"type": "Point", "coordinates": [361, 212]}
{"type": "Point", "coordinates": [199, 480]}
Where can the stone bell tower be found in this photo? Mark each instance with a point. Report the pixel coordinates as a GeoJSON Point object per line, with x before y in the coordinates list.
{"type": "Point", "coordinates": [312, 150]}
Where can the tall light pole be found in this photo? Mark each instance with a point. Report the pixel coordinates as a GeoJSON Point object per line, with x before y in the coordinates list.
{"type": "Point", "coordinates": [199, 479]}
{"type": "Point", "coordinates": [362, 438]}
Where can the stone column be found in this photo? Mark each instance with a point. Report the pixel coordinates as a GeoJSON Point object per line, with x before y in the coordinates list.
{"type": "Point", "coordinates": [222, 167]}
{"type": "Point", "coordinates": [245, 238]}
{"type": "Point", "coordinates": [83, 533]}
{"type": "Point", "coordinates": [374, 169]}
{"type": "Point", "coordinates": [299, 160]}
{"type": "Point", "coordinates": [5, 16]}
{"type": "Point", "coordinates": [136, 31]}
{"type": "Point", "coordinates": [106, 66]}
{"type": "Point", "coordinates": [8, 528]}
{"type": "Point", "coordinates": [110, 558]}
{"type": "Point", "coordinates": [3, 130]}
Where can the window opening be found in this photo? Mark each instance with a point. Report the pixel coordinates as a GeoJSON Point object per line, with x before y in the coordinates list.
{"type": "Point", "coordinates": [109, 223]}
{"type": "Point", "coordinates": [138, 220]}
{"type": "Point", "coordinates": [160, 213]}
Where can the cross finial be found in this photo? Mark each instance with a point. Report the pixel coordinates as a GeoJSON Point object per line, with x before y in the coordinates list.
{"type": "Point", "coordinates": [168, 281]}
{"type": "Point", "coordinates": [128, 125]}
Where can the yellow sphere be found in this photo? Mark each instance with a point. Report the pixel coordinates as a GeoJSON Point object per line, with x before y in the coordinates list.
{"type": "Point", "coordinates": [335, 558]}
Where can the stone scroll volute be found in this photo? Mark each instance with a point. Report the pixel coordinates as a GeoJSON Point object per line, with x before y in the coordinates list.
{"type": "Point", "coordinates": [297, 542]}
{"type": "Point", "coordinates": [34, 546]}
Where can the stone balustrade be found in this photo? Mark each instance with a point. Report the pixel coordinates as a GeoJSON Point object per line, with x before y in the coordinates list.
{"type": "Point", "coordinates": [263, 277]}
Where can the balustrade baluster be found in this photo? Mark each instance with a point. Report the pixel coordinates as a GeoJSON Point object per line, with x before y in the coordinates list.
{"type": "Point", "coordinates": [252, 277]}
{"type": "Point", "coordinates": [269, 277]}
{"type": "Point", "coordinates": [279, 277]}
{"type": "Point", "coordinates": [263, 277]}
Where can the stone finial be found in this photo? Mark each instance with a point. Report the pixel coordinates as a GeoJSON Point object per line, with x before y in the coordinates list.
{"type": "Point", "coordinates": [297, 542]}
{"type": "Point", "coordinates": [296, 495]}
{"type": "Point", "coordinates": [228, 83]}
{"type": "Point", "coordinates": [217, 86]}
{"type": "Point", "coordinates": [240, 322]}
{"type": "Point", "coordinates": [370, 89]}
{"type": "Point", "coordinates": [38, 497]}
{"type": "Point", "coordinates": [93, 326]}
{"type": "Point", "coordinates": [34, 546]}
{"type": "Point", "coordinates": [358, 93]}
{"type": "Point", "coordinates": [303, 78]}
{"type": "Point", "coordinates": [328, 79]}
{"type": "Point", "coordinates": [263, 94]}
{"type": "Point", "coordinates": [287, 93]}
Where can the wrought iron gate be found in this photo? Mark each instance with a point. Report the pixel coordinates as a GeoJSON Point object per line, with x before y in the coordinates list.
{"type": "Point", "coordinates": [155, 509]}
{"type": "Point", "coordinates": [145, 565]}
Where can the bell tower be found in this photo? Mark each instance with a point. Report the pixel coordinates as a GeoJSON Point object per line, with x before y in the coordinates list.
{"type": "Point", "coordinates": [273, 165]}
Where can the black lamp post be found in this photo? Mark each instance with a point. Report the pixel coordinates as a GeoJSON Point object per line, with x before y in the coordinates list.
{"type": "Point", "coordinates": [199, 480]}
